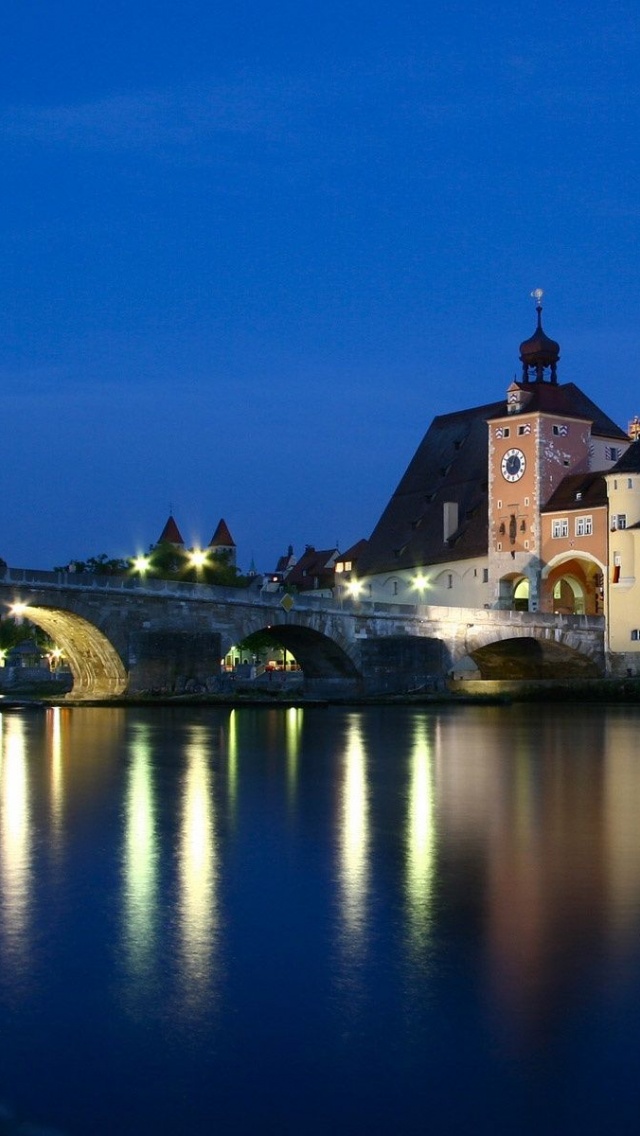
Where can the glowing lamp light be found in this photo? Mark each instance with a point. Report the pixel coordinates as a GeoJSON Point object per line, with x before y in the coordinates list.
{"type": "Point", "coordinates": [197, 558]}
{"type": "Point", "coordinates": [354, 588]}
{"type": "Point", "coordinates": [18, 608]}
{"type": "Point", "coordinates": [420, 582]}
{"type": "Point", "coordinates": [141, 564]}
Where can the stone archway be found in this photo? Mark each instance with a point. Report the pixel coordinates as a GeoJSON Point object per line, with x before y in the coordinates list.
{"type": "Point", "coordinates": [513, 592]}
{"type": "Point", "coordinates": [573, 586]}
{"type": "Point", "coordinates": [528, 658]}
{"type": "Point", "coordinates": [325, 663]}
{"type": "Point", "coordinates": [96, 667]}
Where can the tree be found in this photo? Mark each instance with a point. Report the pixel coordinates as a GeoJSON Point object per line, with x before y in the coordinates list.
{"type": "Point", "coordinates": [12, 633]}
{"type": "Point", "coordinates": [100, 565]}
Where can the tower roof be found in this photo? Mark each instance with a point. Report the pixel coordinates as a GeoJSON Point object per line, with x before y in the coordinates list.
{"type": "Point", "coordinates": [539, 351]}
{"type": "Point", "coordinates": [222, 538]}
{"type": "Point", "coordinates": [171, 533]}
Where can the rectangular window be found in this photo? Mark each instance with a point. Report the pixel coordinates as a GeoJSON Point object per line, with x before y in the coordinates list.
{"type": "Point", "coordinates": [449, 580]}
{"type": "Point", "coordinates": [619, 521]}
{"type": "Point", "coordinates": [560, 528]}
{"type": "Point", "coordinates": [629, 483]}
{"type": "Point", "coordinates": [635, 634]}
{"type": "Point", "coordinates": [584, 526]}
{"type": "Point", "coordinates": [485, 575]}
{"type": "Point", "coordinates": [526, 502]}
{"type": "Point", "coordinates": [500, 504]}
{"type": "Point", "coordinates": [526, 543]}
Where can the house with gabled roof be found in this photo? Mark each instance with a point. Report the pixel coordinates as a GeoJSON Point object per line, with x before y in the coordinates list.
{"type": "Point", "coordinates": [314, 571]}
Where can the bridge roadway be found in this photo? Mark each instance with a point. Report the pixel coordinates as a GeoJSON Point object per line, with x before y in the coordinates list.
{"type": "Point", "coordinates": [128, 635]}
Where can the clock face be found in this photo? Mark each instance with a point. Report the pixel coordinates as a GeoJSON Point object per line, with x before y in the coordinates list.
{"type": "Point", "coordinates": [513, 465]}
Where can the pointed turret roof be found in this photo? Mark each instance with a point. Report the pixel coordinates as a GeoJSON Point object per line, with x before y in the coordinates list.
{"type": "Point", "coordinates": [170, 533]}
{"type": "Point", "coordinates": [222, 538]}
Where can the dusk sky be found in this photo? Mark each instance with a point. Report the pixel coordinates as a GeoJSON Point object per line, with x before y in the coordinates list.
{"type": "Point", "coordinates": [250, 250]}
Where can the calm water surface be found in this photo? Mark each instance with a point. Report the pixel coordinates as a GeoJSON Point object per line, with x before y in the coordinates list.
{"type": "Point", "coordinates": [387, 920]}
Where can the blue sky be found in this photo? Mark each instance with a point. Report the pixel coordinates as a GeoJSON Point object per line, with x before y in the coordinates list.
{"type": "Point", "coordinates": [250, 250]}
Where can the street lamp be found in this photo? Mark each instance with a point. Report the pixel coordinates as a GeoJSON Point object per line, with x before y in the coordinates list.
{"type": "Point", "coordinates": [197, 558]}
{"type": "Point", "coordinates": [141, 564]}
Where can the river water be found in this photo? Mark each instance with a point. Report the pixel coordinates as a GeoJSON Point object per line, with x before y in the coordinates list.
{"type": "Point", "coordinates": [378, 920]}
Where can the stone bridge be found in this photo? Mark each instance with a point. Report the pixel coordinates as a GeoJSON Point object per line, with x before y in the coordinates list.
{"type": "Point", "coordinates": [127, 635]}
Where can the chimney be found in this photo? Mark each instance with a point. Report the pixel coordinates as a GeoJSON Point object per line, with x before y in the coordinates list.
{"type": "Point", "coordinates": [450, 519]}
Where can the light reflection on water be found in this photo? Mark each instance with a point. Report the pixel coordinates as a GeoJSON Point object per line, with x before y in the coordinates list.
{"type": "Point", "coordinates": [15, 827]}
{"type": "Point", "coordinates": [354, 839]}
{"type": "Point", "coordinates": [478, 864]}
{"type": "Point", "coordinates": [197, 869]}
{"type": "Point", "coordinates": [141, 853]}
{"type": "Point", "coordinates": [421, 836]}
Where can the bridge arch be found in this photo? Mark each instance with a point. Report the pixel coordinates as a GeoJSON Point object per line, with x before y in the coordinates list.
{"type": "Point", "coordinates": [324, 658]}
{"type": "Point", "coordinates": [96, 667]}
{"type": "Point", "coordinates": [527, 657]}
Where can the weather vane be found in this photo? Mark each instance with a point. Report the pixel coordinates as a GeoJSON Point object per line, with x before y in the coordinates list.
{"type": "Point", "coordinates": [537, 295]}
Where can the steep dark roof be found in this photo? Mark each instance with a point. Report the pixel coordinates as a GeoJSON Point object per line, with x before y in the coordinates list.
{"type": "Point", "coordinates": [170, 533]}
{"type": "Point", "coordinates": [222, 538]}
{"type": "Point", "coordinates": [592, 488]}
{"type": "Point", "coordinates": [450, 464]}
{"type": "Point", "coordinates": [630, 460]}
{"type": "Point", "coordinates": [314, 565]}
{"type": "Point", "coordinates": [353, 553]}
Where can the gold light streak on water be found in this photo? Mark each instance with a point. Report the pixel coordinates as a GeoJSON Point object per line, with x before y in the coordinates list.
{"type": "Point", "coordinates": [232, 758]}
{"type": "Point", "coordinates": [15, 836]}
{"type": "Point", "coordinates": [293, 731]}
{"type": "Point", "coordinates": [354, 836]}
{"type": "Point", "coordinates": [56, 783]}
{"type": "Point", "coordinates": [197, 867]}
{"type": "Point", "coordinates": [140, 858]}
{"type": "Point", "coordinates": [420, 836]}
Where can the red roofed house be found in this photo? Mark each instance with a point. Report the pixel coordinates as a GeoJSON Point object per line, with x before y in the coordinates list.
{"type": "Point", "coordinates": [314, 571]}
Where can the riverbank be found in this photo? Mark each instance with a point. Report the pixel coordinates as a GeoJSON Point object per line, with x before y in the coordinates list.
{"type": "Point", "coordinates": [474, 692]}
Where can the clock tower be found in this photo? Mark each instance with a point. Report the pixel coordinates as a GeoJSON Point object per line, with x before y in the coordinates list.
{"type": "Point", "coordinates": [532, 447]}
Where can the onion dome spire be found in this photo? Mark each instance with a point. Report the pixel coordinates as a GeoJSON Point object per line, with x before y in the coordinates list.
{"type": "Point", "coordinates": [539, 352]}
